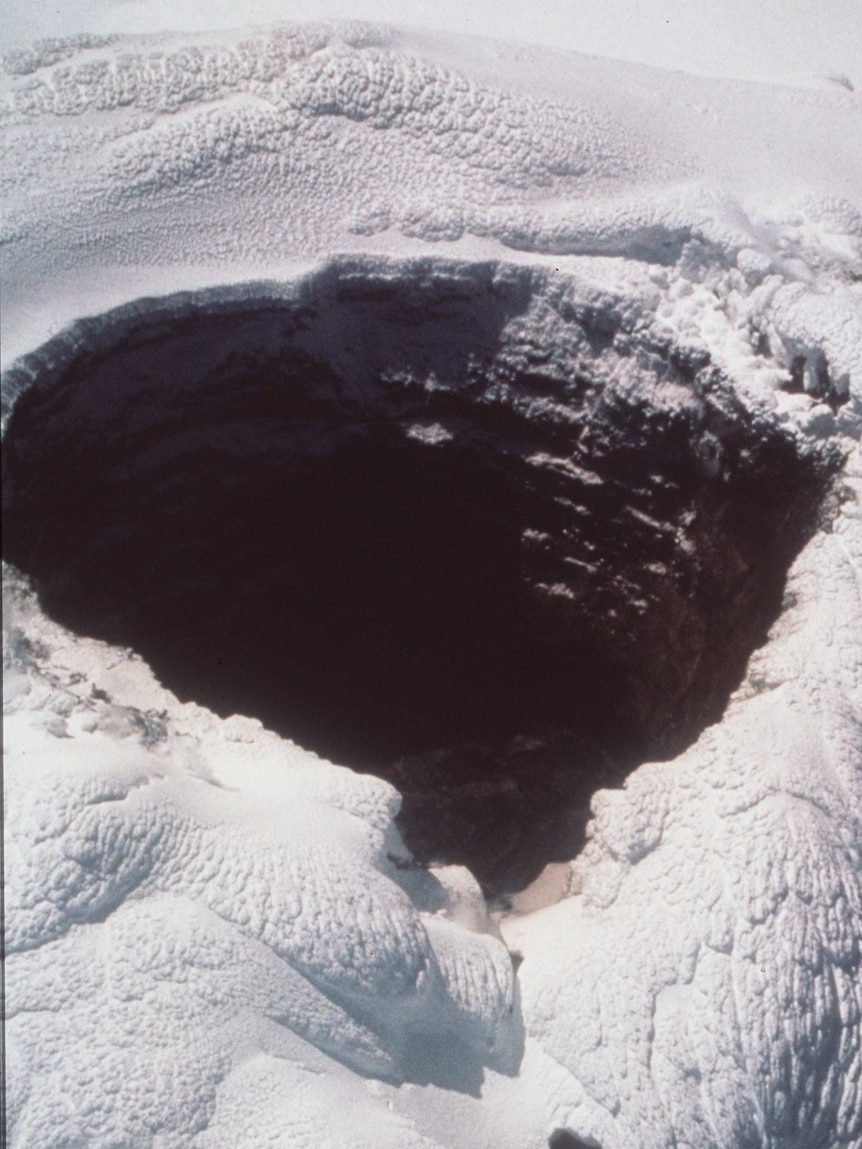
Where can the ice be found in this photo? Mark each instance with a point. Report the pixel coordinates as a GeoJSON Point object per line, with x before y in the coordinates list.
{"type": "Point", "coordinates": [215, 938]}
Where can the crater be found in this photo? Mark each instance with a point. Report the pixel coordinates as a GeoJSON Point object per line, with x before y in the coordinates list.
{"type": "Point", "coordinates": [447, 524]}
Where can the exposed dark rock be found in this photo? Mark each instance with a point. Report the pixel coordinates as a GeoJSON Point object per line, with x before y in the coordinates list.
{"type": "Point", "coordinates": [495, 559]}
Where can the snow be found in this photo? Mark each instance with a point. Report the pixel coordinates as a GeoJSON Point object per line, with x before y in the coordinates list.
{"type": "Point", "coordinates": [216, 939]}
{"type": "Point", "coordinates": [209, 892]}
{"type": "Point", "coordinates": [795, 42]}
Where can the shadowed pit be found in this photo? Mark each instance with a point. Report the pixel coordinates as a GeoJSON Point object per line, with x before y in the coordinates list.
{"type": "Point", "coordinates": [365, 521]}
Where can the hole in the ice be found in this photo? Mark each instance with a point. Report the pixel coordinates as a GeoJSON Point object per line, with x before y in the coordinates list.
{"type": "Point", "coordinates": [811, 374]}
{"type": "Point", "coordinates": [367, 522]}
{"type": "Point", "coordinates": [563, 1139]}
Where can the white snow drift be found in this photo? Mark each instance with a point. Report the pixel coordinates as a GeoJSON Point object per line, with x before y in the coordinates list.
{"type": "Point", "coordinates": [215, 939]}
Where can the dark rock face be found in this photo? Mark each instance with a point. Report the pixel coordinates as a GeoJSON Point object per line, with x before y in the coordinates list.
{"type": "Point", "coordinates": [451, 528]}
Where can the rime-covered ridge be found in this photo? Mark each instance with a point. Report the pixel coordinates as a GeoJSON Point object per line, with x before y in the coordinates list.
{"type": "Point", "coordinates": [217, 939]}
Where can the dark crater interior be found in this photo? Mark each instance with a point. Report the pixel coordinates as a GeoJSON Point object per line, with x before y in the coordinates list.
{"type": "Point", "coordinates": [400, 528]}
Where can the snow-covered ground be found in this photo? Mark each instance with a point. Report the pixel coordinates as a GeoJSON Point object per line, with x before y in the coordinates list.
{"type": "Point", "coordinates": [215, 939]}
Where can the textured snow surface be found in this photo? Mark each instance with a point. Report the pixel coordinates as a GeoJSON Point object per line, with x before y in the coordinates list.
{"type": "Point", "coordinates": [215, 939]}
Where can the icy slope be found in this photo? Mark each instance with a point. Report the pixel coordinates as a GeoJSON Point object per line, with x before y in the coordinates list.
{"type": "Point", "coordinates": [174, 906]}
{"type": "Point", "coordinates": [230, 156]}
{"type": "Point", "coordinates": [216, 939]}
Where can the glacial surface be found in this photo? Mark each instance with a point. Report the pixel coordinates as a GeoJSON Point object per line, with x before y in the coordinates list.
{"type": "Point", "coordinates": [599, 322]}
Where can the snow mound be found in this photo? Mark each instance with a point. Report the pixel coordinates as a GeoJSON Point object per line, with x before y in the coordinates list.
{"type": "Point", "coordinates": [192, 895]}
